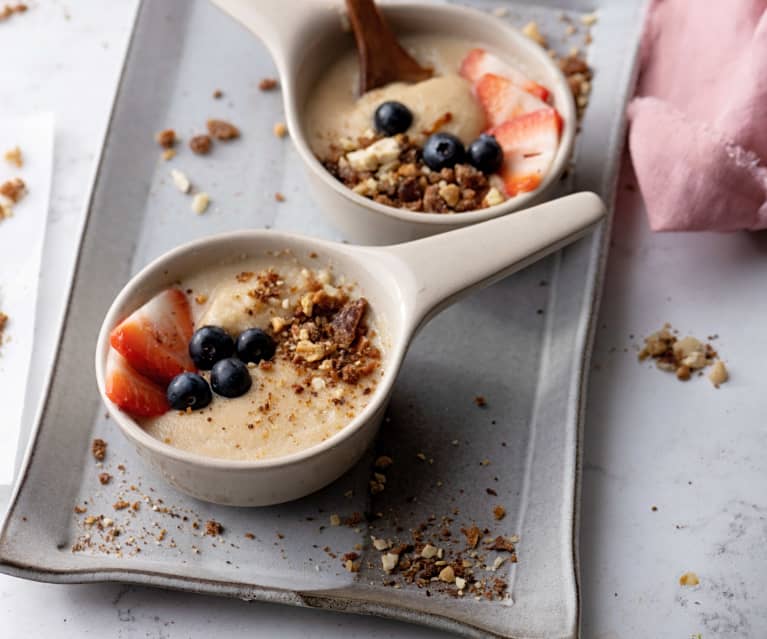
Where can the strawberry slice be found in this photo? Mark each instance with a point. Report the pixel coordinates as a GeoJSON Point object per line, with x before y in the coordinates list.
{"type": "Point", "coordinates": [131, 391]}
{"type": "Point", "coordinates": [155, 338]}
{"type": "Point", "coordinates": [502, 99]}
{"type": "Point", "coordinates": [529, 144]}
{"type": "Point", "coordinates": [478, 62]}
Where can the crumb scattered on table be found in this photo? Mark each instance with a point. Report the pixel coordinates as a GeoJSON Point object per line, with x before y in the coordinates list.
{"type": "Point", "coordinates": [13, 189]}
{"type": "Point", "coordinates": [480, 401]}
{"type": "Point", "coordinates": [531, 31]}
{"type": "Point", "coordinates": [200, 203]}
{"type": "Point", "coordinates": [689, 579]}
{"type": "Point", "coordinates": [99, 449]}
{"type": "Point", "coordinates": [15, 157]}
{"type": "Point", "coordinates": [268, 84]}
{"type": "Point", "coordinates": [8, 10]}
{"type": "Point", "coordinates": [218, 94]}
{"type": "Point", "coordinates": [166, 138]}
{"type": "Point", "coordinates": [201, 144]}
{"type": "Point", "coordinates": [168, 154]}
{"type": "Point", "coordinates": [279, 197]}
{"type": "Point", "coordinates": [280, 130]}
{"type": "Point", "coordinates": [213, 528]}
{"type": "Point", "coordinates": [222, 130]}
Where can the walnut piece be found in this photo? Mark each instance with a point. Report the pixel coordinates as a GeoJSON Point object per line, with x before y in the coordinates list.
{"type": "Point", "coordinates": [200, 144]}
{"type": "Point", "coordinates": [222, 130]}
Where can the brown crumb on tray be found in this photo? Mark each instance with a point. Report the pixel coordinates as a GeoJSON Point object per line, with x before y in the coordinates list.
{"type": "Point", "coordinates": [99, 449]}
{"type": "Point", "coordinates": [683, 357]}
{"type": "Point", "coordinates": [168, 154]}
{"type": "Point", "coordinates": [480, 401]}
{"type": "Point", "coordinates": [280, 130]}
{"type": "Point", "coordinates": [166, 138]}
{"type": "Point", "coordinates": [268, 84]}
{"type": "Point", "coordinates": [104, 478]}
{"type": "Point", "coordinates": [218, 94]}
{"type": "Point", "coordinates": [279, 197]}
{"type": "Point", "coordinates": [499, 512]}
{"type": "Point", "coordinates": [121, 504]}
{"type": "Point", "coordinates": [689, 579]}
{"type": "Point", "coordinates": [8, 10]}
{"type": "Point", "coordinates": [213, 528]}
{"type": "Point", "coordinates": [201, 144]}
{"type": "Point", "coordinates": [249, 535]}
{"type": "Point", "coordinates": [15, 157]}
{"type": "Point", "coordinates": [472, 536]}
{"type": "Point", "coordinates": [3, 324]}
{"type": "Point", "coordinates": [13, 189]}
{"type": "Point", "coordinates": [222, 130]}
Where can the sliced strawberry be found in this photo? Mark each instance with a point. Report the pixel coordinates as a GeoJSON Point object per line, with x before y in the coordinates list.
{"type": "Point", "coordinates": [529, 144]}
{"type": "Point", "coordinates": [502, 99]}
{"type": "Point", "coordinates": [478, 62]}
{"type": "Point", "coordinates": [131, 391]}
{"type": "Point", "coordinates": [155, 338]}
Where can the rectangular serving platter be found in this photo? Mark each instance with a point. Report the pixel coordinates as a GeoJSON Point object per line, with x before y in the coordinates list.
{"type": "Point", "coordinates": [522, 344]}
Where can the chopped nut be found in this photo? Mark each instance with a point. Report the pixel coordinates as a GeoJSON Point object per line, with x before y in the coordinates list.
{"type": "Point", "coordinates": [201, 299]}
{"type": "Point", "coordinates": [268, 84]}
{"type": "Point", "coordinates": [451, 193]}
{"type": "Point", "coordinates": [99, 449]}
{"type": "Point", "coordinates": [447, 574]}
{"type": "Point", "coordinates": [200, 203]}
{"type": "Point", "coordinates": [14, 157]}
{"type": "Point", "coordinates": [278, 323]}
{"type": "Point", "coordinates": [589, 19]}
{"type": "Point", "coordinates": [166, 138]}
{"type": "Point", "coordinates": [493, 197]}
{"type": "Point", "coordinates": [13, 189]}
{"type": "Point", "coordinates": [213, 528]}
{"type": "Point", "coordinates": [201, 144]}
{"type": "Point", "coordinates": [280, 130]}
{"type": "Point", "coordinates": [335, 520]}
{"type": "Point", "coordinates": [383, 462]}
{"type": "Point", "coordinates": [105, 478]}
{"type": "Point", "coordinates": [218, 94]}
{"type": "Point", "coordinates": [180, 180]}
{"type": "Point", "coordinates": [120, 504]}
{"type": "Point", "coordinates": [718, 374]}
{"type": "Point", "coordinates": [389, 561]}
{"type": "Point", "coordinates": [689, 579]}
{"type": "Point", "coordinates": [429, 551]}
{"type": "Point", "coordinates": [279, 197]}
{"type": "Point", "coordinates": [531, 31]}
{"type": "Point", "coordinates": [683, 373]}
{"type": "Point", "coordinates": [222, 130]}
{"type": "Point", "coordinates": [309, 351]}
{"type": "Point", "coordinates": [381, 544]}
{"type": "Point", "coordinates": [168, 154]}
{"type": "Point", "coordinates": [499, 512]}
{"type": "Point", "coordinates": [460, 583]}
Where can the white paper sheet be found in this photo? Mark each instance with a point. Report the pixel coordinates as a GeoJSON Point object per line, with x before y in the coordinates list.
{"type": "Point", "coordinates": [21, 243]}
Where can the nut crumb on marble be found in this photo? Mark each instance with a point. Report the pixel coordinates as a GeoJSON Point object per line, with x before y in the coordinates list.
{"type": "Point", "coordinates": [180, 180]}
{"type": "Point", "coordinates": [213, 528]}
{"type": "Point", "coordinates": [683, 357]}
{"type": "Point", "coordinates": [200, 202]}
{"type": "Point", "coordinates": [222, 130]}
{"type": "Point", "coordinates": [14, 156]}
{"type": "Point", "coordinates": [201, 144]}
{"type": "Point", "coordinates": [10, 9]}
{"type": "Point", "coordinates": [532, 31]}
{"type": "Point", "coordinates": [280, 130]}
{"type": "Point", "coordinates": [13, 189]}
{"type": "Point", "coordinates": [279, 197]}
{"type": "Point", "coordinates": [166, 138]}
{"type": "Point", "coordinates": [268, 84]}
{"type": "Point", "coordinates": [719, 374]}
{"type": "Point", "coordinates": [689, 579]}
{"type": "Point", "coordinates": [168, 154]}
{"type": "Point", "coordinates": [99, 449]}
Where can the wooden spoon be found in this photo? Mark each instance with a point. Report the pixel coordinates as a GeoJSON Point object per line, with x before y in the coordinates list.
{"type": "Point", "coordinates": [382, 58]}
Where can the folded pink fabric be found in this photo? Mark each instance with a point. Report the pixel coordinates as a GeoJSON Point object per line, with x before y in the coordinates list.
{"type": "Point", "coordinates": [698, 126]}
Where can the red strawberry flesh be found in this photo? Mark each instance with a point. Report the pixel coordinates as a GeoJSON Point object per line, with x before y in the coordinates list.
{"type": "Point", "coordinates": [132, 392]}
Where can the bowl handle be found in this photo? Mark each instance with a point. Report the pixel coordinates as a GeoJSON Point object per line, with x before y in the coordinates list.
{"type": "Point", "coordinates": [446, 266]}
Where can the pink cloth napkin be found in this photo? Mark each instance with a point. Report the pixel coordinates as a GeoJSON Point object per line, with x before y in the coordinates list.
{"type": "Point", "coordinates": [698, 126]}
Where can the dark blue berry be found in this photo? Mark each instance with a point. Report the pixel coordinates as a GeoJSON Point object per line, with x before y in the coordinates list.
{"type": "Point", "coordinates": [443, 150]}
{"type": "Point", "coordinates": [485, 154]}
{"type": "Point", "coordinates": [253, 345]}
{"type": "Point", "coordinates": [230, 378]}
{"type": "Point", "coordinates": [392, 118]}
{"type": "Point", "coordinates": [209, 345]}
{"type": "Point", "coordinates": [188, 390]}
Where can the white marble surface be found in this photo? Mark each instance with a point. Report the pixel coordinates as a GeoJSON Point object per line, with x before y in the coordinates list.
{"type": "Point", "coordinates": [698, 454]}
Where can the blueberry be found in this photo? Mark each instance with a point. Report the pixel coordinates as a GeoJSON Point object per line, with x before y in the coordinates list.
{"type": "Point", "coordinates": [443, 150]}
{"type": "Point", "coordinates": [485, 154]}
{"type": "Point", "coordinates": [392, 117]}
{"type": "Point", "coordinates": [230, 378]}
{"type": "Point", "coordinates": [188, 390]}
{"type": "Point", "coordinates": [253, 345]}
{"type": "Point", "coordinates": [209, 345]}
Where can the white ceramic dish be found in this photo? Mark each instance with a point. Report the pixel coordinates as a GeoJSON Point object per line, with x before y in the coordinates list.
{"type": "Point", "coordinates": [406, 285]}
{"type": "Point", "coordinates": [530, 360]}
{"type": "Point", "coordinates": [304, 40]}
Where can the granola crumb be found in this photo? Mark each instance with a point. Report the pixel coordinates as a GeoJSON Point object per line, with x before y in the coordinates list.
{"type": "Point", "coordinates": [200, 203]}
{"type": "Point", "coordinates": [383, 462]}
{"type": "Point", "coordinates": [447, 574]}
{"type": "Point", "coordinates": [531, 31]}
{"type": "Point", "coordinates": [201, 299]}
{"type": "Point", "coordinates": [279, 197]}
{"type": "Point", "coordinates": [718, 375]}
{"type": "Point", "coordinates": [480, 401]}
{"type": "Point", "coordinates": [121, 504]}
{"type": "Point", "coordinates": [268, 84]}
{"type": "Point", "coordinates": [213, 528]}
{"type": "Point", "coordinates": [218, 94]}
{"type": "Point", "coordinates": [80, 509]}
{"type": "Point", "coordinates": [8, 10]}
{"type": "Point", "coordinates": [166, 138]}
{"type": "Point", "coordinates": [180, 180]}
{"type": "Point", "coordinates": [14, 189]}
{"type": "Point", "coordinates": [14, 157]}
{"type": "Point", "coordinates": [589, 19]}
{"type": "Point", "coordinates": [3, 324]}
{"type": "Point", "coordinates": [104, 478]}
{"type": "Point", "coordinates": [222, 130]}
{"type": "Point", "coordinates": [200, 144]}
{"type": "Point", "coordinates": [499, 512]}
{"type": "Point", "coordinates": [168, 154]}
{"type": "Point", "coordinates": [249, 535]}
{"type": "Point", "coordinates": [335, 520]}
{"type": "Point", "coordinates": [280, 130]}
{"type": "Point", "coordinates": [680, 356]}
{"type": "Point", "coordinates": [99, 449]}
{"type": "Point", "coordinates": [689, 579]}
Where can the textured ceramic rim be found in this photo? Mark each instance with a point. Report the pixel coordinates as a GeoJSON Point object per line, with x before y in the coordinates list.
{"type": "Point", "coordinates": [564, 151]}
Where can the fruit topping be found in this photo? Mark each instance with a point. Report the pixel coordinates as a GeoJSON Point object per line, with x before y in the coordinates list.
{"type": "Point", "coordinates": [230, 378]}
{"type": "Point", "coordinates": [478, 62]}
{"type": "Point", "coordinates": [253, 345]}
{"type": "Point", "coordinates": [131, 391]}
{"type": "Point", "coordinates": [209, 345]}
{"type": "Point", "coordinates": [392, 117]}
{"type": "Point", "coordinates": [188, 390]}
{"type": "Point", "coordinates": [155, 338]}
{"type": "Point", "coordinates": [502, 100]}
{"type": "Point", "coordinates": [529, 144]}
{"type": "Point", "coordinates": [443, 150]}
{"type": "Point", "coordinates": [485, 154]}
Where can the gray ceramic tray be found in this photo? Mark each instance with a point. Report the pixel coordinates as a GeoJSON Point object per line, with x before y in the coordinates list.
{"type": "Point", "coordinates": [522, 344]}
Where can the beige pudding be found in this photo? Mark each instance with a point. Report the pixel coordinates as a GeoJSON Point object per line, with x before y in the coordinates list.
{"type": "Point", "coordinates": [334, 111]}
{"type": "Point", "coordinates": [326, 366]}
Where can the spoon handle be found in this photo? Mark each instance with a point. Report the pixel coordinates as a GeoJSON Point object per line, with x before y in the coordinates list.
{"type": "Point", "coordinates": [449, 265]}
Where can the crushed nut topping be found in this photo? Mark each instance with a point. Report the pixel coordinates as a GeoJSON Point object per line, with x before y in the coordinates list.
{"type": "Point", "coordinates": [683, 356]}
{"type": "Point", "coordinates": [99, 449]}
{"type": "Point", "coordinates": [268, 84]}
{"type": "Point", "coordinates": [166, 138]}
{"type": "Point", "coordinates": [14, 189]}
{"type": "Point", "coordinates": [213, 528]}
{"type": "Point", "coordinates": [222, 130]}
{"type": "Point", "coordinates": [201, 144]}
{"type": "Point", "coordinates": [14, 157]}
